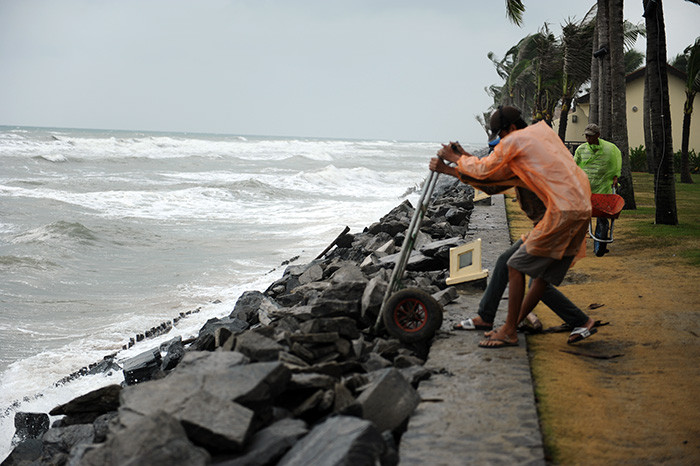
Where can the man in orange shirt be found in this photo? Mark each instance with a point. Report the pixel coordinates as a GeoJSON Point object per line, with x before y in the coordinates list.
{"type": "Point", "coordinates": [531, 157]}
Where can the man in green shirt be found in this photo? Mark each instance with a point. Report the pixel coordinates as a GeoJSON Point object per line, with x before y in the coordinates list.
{"type": "Point", "coordinates": [602, 162]}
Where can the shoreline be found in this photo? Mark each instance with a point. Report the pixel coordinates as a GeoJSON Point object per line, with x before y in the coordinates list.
{"type": "Point", "coordinates": [310, 301]}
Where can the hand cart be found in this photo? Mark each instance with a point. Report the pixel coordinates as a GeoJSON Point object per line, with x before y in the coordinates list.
{"type": "Point", "coordinates": [605, 206]}
{"type": "Point", "coordinates": [410, 314]}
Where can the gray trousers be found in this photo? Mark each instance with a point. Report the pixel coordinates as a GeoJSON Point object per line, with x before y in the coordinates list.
{"type": "Point", "coordinates": [552, 298]}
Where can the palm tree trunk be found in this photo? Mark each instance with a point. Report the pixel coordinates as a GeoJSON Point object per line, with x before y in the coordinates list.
{"type": "Point", "coordinates": [687, 115]}
{"type": "Point", "coordinates": [664, 181]}
{"type": "Point", "coordinates": [619, 101]}
{"type": "Point", "coordinates": [604, 89]}
{"type": "Point", "coordinates": [564, 117]}
{"type": "Point", "coordinates": [593, 114]}
{"type": "Point", "coordinates": [648, 139]}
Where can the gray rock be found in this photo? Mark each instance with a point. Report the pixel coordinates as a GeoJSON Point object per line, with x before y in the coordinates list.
{"type": "Point", "coordinates": [446, 296]}
{"type": "Point", "coordinates": [350, 290]}
{"type": "Point", "coordinates": [88, 407]}
{"type": "Point", "coordinates": [258, 347]}
{"type": "Point", "coordinates": [312, 274]}
{"type": "Point", "coordinates": [432, 248]}
{"type": "Point", "coordinates": [375, 362]}
{"type": "Point", "coordinates": [233, 324]}
{"type": "Point", "coordinates": [200, 362]}
{"type": "Point", "coordinates": [218, 425]}
{"type": "Point", "coordinates": [388, 401]}
{"type": "Point", "coordinates": [311, 380]}
{"type": "Point", "coordinates": [101, 425]}
{"type": "Point", "coordinates": [29, 426]}
{"type": "Point", "coordinates": [347, 274]}
{"type": "Point", "coordinates": [269, 444]}
{"type": "Point", "coordinates": [251, 384]}
{"type": "Point", "coordinates": [247, 306]}
{"type": "Point", "coordinates": [26, 452]}
{"type": "Point", "coordinates": [155, 440]}
{"type": "Point", "coordinates": [344, 326]}
{"type": "Point", "coordinates": [142, 367]}
{"type": "Point", "coordinates": [63, 439]}
{"type": "Point", "coordinates": [174, 352]}
{"type": "Point", "coordinates": [372, 297]}
{"type": "Point", "coordinates": [340, 440]}
{"type": "Point", "coordinates": [335, 308]}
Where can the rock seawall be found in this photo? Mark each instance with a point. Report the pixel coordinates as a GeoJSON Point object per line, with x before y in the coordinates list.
{"type": "Point", "coordinates": [294, 375]}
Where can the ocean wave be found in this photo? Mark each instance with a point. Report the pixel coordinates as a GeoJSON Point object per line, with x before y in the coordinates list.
{"type": "Point", "coordinates": [17, 262]}
{"type": "Point", "coordinates": [57, 231]}
{"type": "Point", "coordinates": [61, 147]}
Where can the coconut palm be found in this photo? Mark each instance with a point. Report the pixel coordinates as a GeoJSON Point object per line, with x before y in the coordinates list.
{"type": "Point", "coordinates": [692, 86]}
{"type": "Point", "coordinates": [519, 87]}
{"type": "Point", "coordinates": [576, 41]}
{"type": "Point", "coordinates": [634, 59]}
{"type": "Point", "coordinates": [660, 128]}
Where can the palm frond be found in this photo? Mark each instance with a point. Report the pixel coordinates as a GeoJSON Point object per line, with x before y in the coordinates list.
{"type": "Point", "coordinates": [514, 11]}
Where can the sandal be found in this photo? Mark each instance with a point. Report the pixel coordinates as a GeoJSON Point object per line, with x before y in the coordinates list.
{"type": "Point", "coordinates": [495, 343]}
{"type": "Point", "coordinates": [470, 325]}
{"type": "Point", "coordinates": [580, 333]}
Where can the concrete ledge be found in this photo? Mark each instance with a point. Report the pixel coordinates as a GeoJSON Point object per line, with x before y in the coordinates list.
{"type": "Point", "coordinates": [479, 406]}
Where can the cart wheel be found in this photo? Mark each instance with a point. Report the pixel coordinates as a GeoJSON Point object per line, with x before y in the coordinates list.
{"type": "Point", "coordinates": [412, 315]}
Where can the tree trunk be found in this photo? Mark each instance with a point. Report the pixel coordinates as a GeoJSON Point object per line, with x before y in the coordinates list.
{"type": "Point", "coordinates": [660, 110]}
{"type": "Point", "coordinates": [687, 115]}
{"type": "Point", "coordinates": [619, 101]}
{"type": "Point", "coordinates": [648, 139]}
{"type": "Point", "coordinates": [593, 114]}
{"type": "Point", "coordinates": [604, 90]}
{"type": "Point", "coordinates": [564, 117]}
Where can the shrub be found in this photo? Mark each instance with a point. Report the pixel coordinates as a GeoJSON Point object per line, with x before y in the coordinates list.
{"type": "Point", "coordinates": [638, 159]}
{"type": "Point", "coordinates": [693, 161]}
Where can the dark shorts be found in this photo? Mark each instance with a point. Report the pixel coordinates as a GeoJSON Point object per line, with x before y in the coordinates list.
{"type": "Point", "coordinates": [550, 270]}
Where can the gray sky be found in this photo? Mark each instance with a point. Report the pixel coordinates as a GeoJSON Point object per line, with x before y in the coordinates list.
{"type": "Point", "coordinates": [384, 69]}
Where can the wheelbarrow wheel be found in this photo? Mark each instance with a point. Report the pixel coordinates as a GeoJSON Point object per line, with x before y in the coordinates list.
{"type": "Point", "coordinates": [412, 315]}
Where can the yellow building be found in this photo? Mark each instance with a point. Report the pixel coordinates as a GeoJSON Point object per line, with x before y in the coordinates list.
{"type": "Point", "coordinates": [578, 119]}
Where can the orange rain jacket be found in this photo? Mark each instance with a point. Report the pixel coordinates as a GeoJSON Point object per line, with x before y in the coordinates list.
{"type": "Point", "coordinates": [535, 158]}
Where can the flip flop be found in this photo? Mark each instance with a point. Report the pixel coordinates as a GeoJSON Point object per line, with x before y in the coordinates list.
{"type": "Point", "coordinates": [567, 327]}
{"type": "Point", "coordinates": [580, 333]}
{"type": "Point", "coordinates": [470, 325]}
{"type": "Point", "coordinates": [500, 343]}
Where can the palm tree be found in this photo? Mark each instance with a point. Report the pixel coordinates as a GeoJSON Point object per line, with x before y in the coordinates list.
{"type": "Point", "coordinates": [692, 86]}
{"type": "Point", "coordinates": [634, 60]}
{"type": "Point", "coordinates": [604, 63]}
{"type": "Point", "coordinates": [661, 142]}
{"type": "Point", "coordinates": [519, 87]}
{"type": "Point", "coordinates": [575, 41]}
{"type": "Point", "coordinates": [618, 100]}
{"type": "Point", "coordinates": [542, 54]}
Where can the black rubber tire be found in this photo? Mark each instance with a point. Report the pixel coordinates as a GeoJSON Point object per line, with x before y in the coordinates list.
{"type": "Point", "coordinates": [412, 315]}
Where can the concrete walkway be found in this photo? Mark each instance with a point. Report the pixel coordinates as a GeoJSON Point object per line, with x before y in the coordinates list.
{"type": "Point", "coordinates": [479, 406]}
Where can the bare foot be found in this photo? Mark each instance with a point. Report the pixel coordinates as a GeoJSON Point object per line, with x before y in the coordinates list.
{"type": "Point", "coordinates": [499, 338]}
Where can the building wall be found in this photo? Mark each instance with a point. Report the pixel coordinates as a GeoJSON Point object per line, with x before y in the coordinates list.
{"type": "Point", "coordinates": [635, 119]}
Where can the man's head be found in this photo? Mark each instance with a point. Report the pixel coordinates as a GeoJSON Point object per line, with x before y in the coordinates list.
{"type": "Point", "coordinates": [505, 120]}
{"type": "Point", "coordinates": [592, 133]}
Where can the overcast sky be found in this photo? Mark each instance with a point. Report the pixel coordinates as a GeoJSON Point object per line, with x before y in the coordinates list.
{"type": "Point", "coordinates": [369, 69]}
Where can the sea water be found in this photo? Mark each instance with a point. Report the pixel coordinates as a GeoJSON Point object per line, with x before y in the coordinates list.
{"type": "Point", "coordinates": [105, 234]}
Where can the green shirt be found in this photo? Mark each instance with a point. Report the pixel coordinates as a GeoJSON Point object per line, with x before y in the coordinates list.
{"type": "Point", "coordinates": [601, 162]}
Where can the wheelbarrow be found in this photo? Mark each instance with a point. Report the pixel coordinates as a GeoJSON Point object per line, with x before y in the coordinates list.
{"type": "Point", "coordinates": [410, 314]}
{"type": "Point", "coordinates": [605, 206]}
